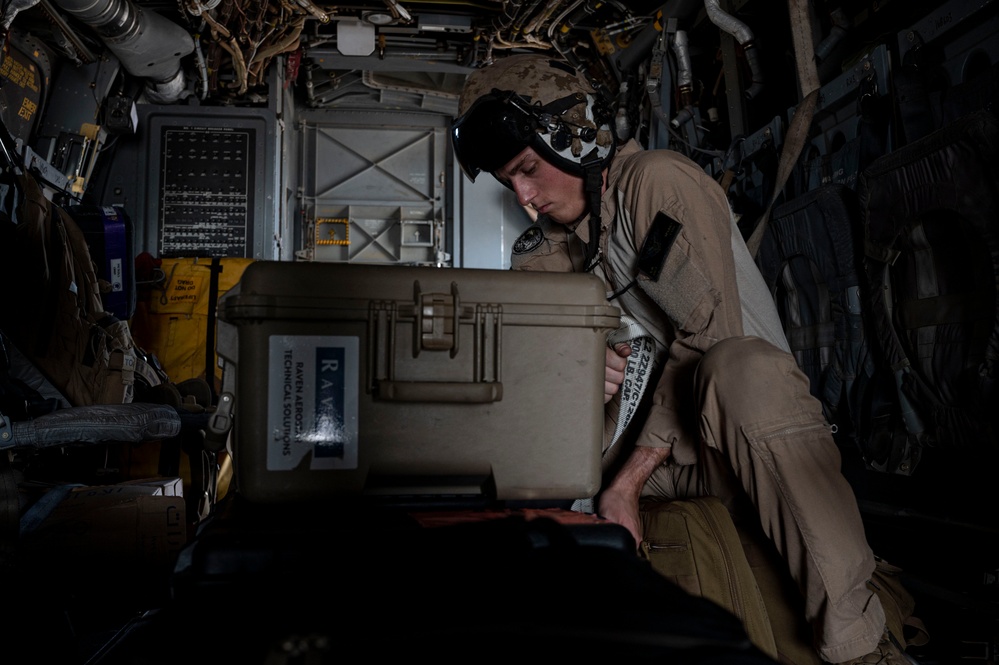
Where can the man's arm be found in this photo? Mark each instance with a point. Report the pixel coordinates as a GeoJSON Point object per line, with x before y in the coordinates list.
{"type": "Point", "coordinates": [619, 501]}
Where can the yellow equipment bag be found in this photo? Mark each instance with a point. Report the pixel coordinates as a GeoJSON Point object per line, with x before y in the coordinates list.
{"type": "Point", "coordinates": [175, 321]}
{"type": "Point", "coordinates": [175, 316]}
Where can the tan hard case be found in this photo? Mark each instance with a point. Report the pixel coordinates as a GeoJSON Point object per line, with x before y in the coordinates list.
{"type": "Point", "coordinates": [402, 380]}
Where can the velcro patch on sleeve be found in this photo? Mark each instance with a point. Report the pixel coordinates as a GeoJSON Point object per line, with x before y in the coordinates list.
{"type": "Point", "coordinates": [658, 241]}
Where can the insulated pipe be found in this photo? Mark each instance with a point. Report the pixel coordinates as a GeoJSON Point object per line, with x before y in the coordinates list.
{"type": "Point", "coordinates": [684, 78]}
{"type": "Point", "coordinates": [622, 126]}
{"type": "Point", "coordinates": [727, 22]}
{"type": "Point", "coordinates": [12, 8]}
{"type": "Point", "coordinates": [148, 45]}
{"type": "Point", "coordinates": [744, 36]}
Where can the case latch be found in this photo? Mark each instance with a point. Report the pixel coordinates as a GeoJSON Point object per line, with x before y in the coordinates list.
{"type": "Point", "coordinates": [437, 323]}
{"type": "Point", "coordinates": [436, 319]}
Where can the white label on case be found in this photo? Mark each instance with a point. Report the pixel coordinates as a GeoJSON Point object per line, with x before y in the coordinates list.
{"type": "Point", "coordinates": [312, 410]}
{"type": "Point", "coordinates": [117, 279]}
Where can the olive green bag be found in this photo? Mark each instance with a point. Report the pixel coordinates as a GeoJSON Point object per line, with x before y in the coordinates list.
{"type": "Point", "coordinates": [695, 544]}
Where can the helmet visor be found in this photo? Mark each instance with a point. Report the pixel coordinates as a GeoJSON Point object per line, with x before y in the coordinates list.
{"type": "Point", "coordinates": [494, 130]}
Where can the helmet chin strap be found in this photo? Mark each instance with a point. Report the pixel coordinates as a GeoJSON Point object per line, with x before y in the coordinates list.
{"type": "Point", "coordinates": [593, 179]}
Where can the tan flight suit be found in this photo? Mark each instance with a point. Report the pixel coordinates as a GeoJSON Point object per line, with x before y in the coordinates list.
{"type": "Point", "coordinates": [730, 396]}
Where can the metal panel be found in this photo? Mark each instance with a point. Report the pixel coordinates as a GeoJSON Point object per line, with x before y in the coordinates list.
{"type": "Point", "coordinates": [372, 188]}
{"type": "Point", "coordinates": [960, 30]}
{"type": "Point", "coordinates": [491, 221]}
{"type": "Point", "coordinates": [200, 181]}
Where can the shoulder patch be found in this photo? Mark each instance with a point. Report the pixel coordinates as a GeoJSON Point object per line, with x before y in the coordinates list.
{"type": "Point", "coordinates": [529, 240]}
{"type": "Point", "coordinates": [657, 243]}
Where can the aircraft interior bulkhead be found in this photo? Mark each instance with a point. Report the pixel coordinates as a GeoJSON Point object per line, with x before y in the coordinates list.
{"type": "Point", "coordinates": [270, 391]}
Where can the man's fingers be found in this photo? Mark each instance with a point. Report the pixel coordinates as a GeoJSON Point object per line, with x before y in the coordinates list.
{"type": "Point", "coordinates": [616, 361]}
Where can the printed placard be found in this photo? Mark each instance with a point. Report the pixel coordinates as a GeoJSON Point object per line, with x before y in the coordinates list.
{"type": "Point", "coordinates": [312, 411]}
{"type": "Point", "coordinates": [117, 278]}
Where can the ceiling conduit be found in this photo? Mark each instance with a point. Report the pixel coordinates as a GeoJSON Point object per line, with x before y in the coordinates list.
{"type": "Point", "coordinates": [148, 45]}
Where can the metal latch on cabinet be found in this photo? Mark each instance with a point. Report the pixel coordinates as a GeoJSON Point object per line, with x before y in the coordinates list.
{"type": "Point", "coordinates": [436, 319]}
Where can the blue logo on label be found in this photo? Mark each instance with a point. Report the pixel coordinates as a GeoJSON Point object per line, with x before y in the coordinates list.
{"type": "Point", "coordinates": [330, 382]}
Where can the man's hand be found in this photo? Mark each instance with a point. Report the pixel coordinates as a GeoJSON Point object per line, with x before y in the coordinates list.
{"type": "Point", "coordinates": [617, 361]}
{"type": "Point", "coordinates": [619, 501]}
{"type": "Point", "coordinates": [621, 507]}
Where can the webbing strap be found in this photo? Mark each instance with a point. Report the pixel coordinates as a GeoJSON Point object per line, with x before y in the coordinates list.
{"type": "Point", "coordinates": [797, 133]}
{"type": "Point", "coordinates": [637, 373]}
{"type": "Point", "coordinates": [594, 178]}
{"type": "Point", "coordinates": [213, 300]}
{"type": "Point", "coordinates": [804, 47]}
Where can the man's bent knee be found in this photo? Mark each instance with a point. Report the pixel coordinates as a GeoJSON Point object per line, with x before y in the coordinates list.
{"type": "Point", "coordinates": [740, 369]}
{"type": "Point", "coordinates": [745, 359]}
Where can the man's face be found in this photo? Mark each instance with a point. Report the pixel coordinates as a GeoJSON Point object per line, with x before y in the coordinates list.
{"type": "Point", "coordinates": [544, 187]}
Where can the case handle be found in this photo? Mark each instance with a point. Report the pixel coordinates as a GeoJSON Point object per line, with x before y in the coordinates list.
{"type": "Point", "coordinates": [440, 391]}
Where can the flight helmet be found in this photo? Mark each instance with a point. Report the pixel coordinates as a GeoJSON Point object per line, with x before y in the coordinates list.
{"type": "Point", "coordinates": [531, 100]}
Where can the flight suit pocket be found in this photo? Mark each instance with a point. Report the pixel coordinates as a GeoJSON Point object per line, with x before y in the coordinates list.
{"type": "Point", "coordinates": [802, 484]}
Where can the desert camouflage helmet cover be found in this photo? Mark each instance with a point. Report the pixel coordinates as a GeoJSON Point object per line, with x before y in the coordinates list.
{"type": "Point", "coordinates": [531, 100]}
